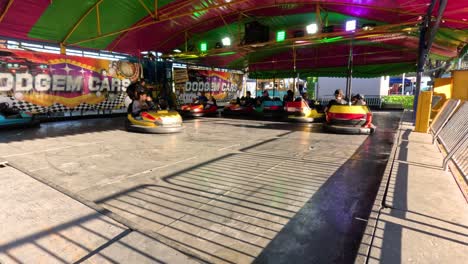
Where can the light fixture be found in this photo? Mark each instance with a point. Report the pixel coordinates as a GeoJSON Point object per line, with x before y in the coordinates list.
{"type": "Point", "coordinates": [368, 26]}
{"type": "Point", "coordinates": [328, 29]}
{"type": "Point", "coordinates": [177, 51]}
{"type": "Point", "coordinates": [226, 41]}
{"type": "Point", "coordinates": [350, 25]}
{"type": "Point", "coordinates": [203, 47]}
{"type": "Point", "coordinates": [280, 36]}
{"type": "Point", "coordinates": [299, 33]}
{"type": "Point", "coordinates": [312, 28]}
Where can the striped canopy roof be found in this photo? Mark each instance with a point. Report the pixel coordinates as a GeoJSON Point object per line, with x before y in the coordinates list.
{"type": "Point", "coordinates": [131, 26]}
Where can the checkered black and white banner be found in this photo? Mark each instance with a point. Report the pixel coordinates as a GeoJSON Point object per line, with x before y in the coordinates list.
{"type": "Point", "coordinates": [113, 102]}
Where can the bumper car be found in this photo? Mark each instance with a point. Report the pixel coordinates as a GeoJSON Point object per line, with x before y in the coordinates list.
{"type": "Point", "coordinates": [13, 117]}
{"type": "Point", "coordinates": [198, 110]}
{"type": "Point", "coordinates": [160, 122]}
{"type": "Point", "coordinates": [301, 112]}
{"type": "Point", "coordinates": [349, 119]}
{"type": "Point", "coordinates": [266, 109]}
{"type": "Point", "coordinates": [234, 108]}
{"type": "Point", "coordinates": [271, 108]}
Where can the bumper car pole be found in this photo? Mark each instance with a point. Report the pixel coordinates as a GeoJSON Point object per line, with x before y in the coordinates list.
{"type": "Point", "coordinates": [349, 78]}
{"type": "Point", "coordinates": [425, 43]}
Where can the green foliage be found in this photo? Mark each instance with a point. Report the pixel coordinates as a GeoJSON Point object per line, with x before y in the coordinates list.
{"type": "Point", "coordinates": [405, 100]}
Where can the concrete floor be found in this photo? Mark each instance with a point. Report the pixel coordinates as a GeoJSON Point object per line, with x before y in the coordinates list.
{"type": "Point", "coordinates": [224, 190]}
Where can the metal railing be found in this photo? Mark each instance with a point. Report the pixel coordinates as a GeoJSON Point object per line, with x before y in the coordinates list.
{"type": "Point", "coordinates": [442, 118]}
{"type": "Point", "coordinates": [455, 129]}
{"type": "Point", "coordinates": [453, 135]}
{"type": "Point", "coordinates": [460, 157]}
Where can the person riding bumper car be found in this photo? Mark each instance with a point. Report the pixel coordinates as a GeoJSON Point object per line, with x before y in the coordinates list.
{"type": "Point", "coordinates": [200, 108]}
{"type": "Point", "coordinates": [144, 116]}
{"type": "Point", "coordinates": [240, 106]}
{"type": "Point", "coordinates": [300, 111]}
{"type": "Point", "coordinates": [13, 117]}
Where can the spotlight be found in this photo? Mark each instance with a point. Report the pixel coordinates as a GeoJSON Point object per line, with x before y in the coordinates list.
{"type": "Point", "coordinates": [351, 25]}
{"type": "Point", "coordinates": [177, 51]}
{"type": "Point", "coordinates": [312, 28]}
{"type": "Point", "coordinates": [203, 47]}
{"type": "Point", "coordinates": [280, 36]}
{"type": "Point", "coordinates": [226, 41]}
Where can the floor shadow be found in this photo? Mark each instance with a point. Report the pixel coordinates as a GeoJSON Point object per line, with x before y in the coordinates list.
{"type": "Point", "coordinates": [262, 207]}
{"type": "Point", "coordinates": [328, 228]}
{"type": "Point", "coordinates": [66, 234]}
{"type": "Point", "coordinates": [63, 128]}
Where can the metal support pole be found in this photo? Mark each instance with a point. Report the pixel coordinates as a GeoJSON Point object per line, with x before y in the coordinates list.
{"type": "Point", "coordinates": [403, 84]}
{"type": "Point", "coordinates": [274, 85]}
{"type": "Point", "coordinates": [425, 43]}
{"type": "Point", "coordinates": [256, 87]}
{"type": "Point", "coordinates": [350, 72]}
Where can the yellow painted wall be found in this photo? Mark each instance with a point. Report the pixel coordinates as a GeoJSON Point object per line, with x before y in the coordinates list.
{"type": "Point", "coordinates": [443, 87]}
{"type": "Point", "coordinates": [423, 113]}
{"type": "Point", "coordinates": [460, 84]}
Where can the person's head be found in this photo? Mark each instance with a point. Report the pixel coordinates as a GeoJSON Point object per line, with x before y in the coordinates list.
{"type": "Point", "coordinates": [290, 93]}
{"type": "Point", "coordinates": [265, 93]}
{"type": "Point", "coordinates": [202, 93]}
{"type": "Point", "coordinates": [140, 93]}
{"type": "Point", "coordinates": [305, 96]}
{"type": "Point", "coordinates": [339, 94]}
{"type": "Point", "coordinates": [248, 94]}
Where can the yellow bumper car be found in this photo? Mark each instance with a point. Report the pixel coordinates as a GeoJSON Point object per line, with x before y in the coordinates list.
{"type": "Point", "coordinates": [160, 122]}
{"type": "Point", "coordinates": [349, 119]}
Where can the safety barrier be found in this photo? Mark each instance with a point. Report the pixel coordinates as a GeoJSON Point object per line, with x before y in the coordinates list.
{"type": "Point", "coordinates": [453, 136]}
{"type": "Point", "coordinates": [460, 157]}
{"type": "Point", "coordinates": [455, 129]}
{"type": "Point", "coordinates": [447, 111]}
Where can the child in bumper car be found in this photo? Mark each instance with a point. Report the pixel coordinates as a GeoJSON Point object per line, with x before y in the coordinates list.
{"type": "Point", "coordinates": [141, 103]}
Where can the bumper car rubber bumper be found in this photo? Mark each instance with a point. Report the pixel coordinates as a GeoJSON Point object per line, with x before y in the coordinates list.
{"type": "Point", "coordinates": [22, 123]}
{"type": "Point", "coordinates": [196, 114]}
{"type": "Point", "coordinates": [155, 130]}
{"type": "Point", "coordinates": [356, 130]}
{"type": "Point", "coordinates": [301, 119]}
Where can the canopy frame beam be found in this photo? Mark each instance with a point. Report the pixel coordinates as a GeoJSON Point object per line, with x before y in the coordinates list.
{"type": "Point", "coordinates": [156, 15]}
{"type": "Point", "coordinates": [98, 20]}
{"type": "Point", "coordinates": [151, 14]}
{"type": "Point", "coordinates": [5, 11]}
{"type": "Point", "coordinates": [152, 22]}
{"type": "Point", "coordinates": [75, 26]}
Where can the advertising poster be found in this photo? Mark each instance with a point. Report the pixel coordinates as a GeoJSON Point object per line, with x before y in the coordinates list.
{"type": "Point", "coordinates": [223, 86]}
{"type": "Point", "coordinates": [42, 82]}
